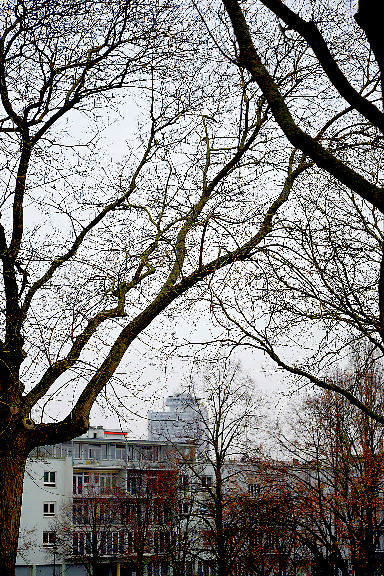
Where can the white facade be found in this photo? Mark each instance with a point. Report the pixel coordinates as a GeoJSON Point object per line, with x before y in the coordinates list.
{"type": "Point", "coordinates": [184, 420]}
{"type": "Point", "coordinates": [47, 485]}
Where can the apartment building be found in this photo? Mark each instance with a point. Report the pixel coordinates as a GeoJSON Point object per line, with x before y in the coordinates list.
{"type": "Point", "coordinates": [95, 467]}
{"type": "Point", "coordinates": [147, 506]}
{"type": "Point", "coordinates": [121, 503]}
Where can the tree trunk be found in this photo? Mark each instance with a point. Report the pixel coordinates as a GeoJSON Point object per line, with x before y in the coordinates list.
{"type": "Point", "coordinates": [222, 567]}
{"type": "Point", "coordinates": [12, 466]}
{"type": "Point", "coordinates": [140, 567]}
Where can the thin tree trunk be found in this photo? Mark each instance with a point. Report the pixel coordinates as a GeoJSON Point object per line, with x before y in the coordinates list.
{"type": "Point", "coordinates": [222, 568]}
{"type": "Point", "coordinates": [140, 568]}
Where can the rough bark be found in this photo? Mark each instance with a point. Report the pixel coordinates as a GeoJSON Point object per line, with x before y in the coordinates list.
{"type": "Point", "coordinates": [12, 466]}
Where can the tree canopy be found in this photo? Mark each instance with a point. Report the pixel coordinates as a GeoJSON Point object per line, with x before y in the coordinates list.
{"type": "Point", "coordinates": [316, 294]}
{"type": "Point", "coordinates": [95, 249]}
{"type": "Point", "coordinates": [242, 109]}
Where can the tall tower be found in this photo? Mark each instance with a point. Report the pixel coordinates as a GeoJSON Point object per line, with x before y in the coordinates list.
{"type": "Point", "coordinates": [185, 419]}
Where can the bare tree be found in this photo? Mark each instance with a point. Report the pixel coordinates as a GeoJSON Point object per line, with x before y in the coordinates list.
{"type": "Point", "coordinates": [175, 534]}
{"type": "Point", "coordinates": [310, 31]}
{"type": "Point", "coordinates": [93, 253]}
{"type": "Point", "coordinates": [322, 276]}
{"type": "Point", "coordinates": [135, 523]}
{"type": "Point", "coordinates": [88, 530]}
{"type": "Point", "coordinates": [267, 526]}
{"type": "Point", "coordinates": [336, 477]}
{"type": "Point", "coordinates": [149, 510]}
{"type": "Point", "coordinates": [240, 528]}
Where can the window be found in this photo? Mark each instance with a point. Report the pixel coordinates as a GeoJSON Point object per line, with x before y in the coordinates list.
{"type": "Point", "coordinates": [254, 490]}
{"type": "Point", "coordinates": [128, 512]}
{"type": "Point", "coordinates": [82, 480]}
{"type": "Point", "coordinates": [120, 452]}
{"type": "Point", "coordinates": [49, 508]}
{"type": "Point", "coordinates": [188, 569]}
{"type": "Point", "coordinates": [75, 545]}
{"type": "Point", "coordinates": [154, 569]}
{"type": "Point", "coordinates": [134, 484]}
{"type": "Point", "coordinates": [184, 481]}
{"type": "Point", "coordinates": [77, 512]}
{"type": "Point", "coordinates": [66, 450]}
{"type": "Point", "coordinates": [146, 453]}
{"type": "Point", "coordinates": [95, 451]}
{"type": "Point", "coordinates": [82, 511]}
{"type": "Point", "coordinates": [77, 483]}
{"type": "Point", "coordinates": [164, 569]}
{"type": "Point", "coordinates": [107, 540]}
{"type": "Point", "coordinates": [161, 542]}
{"type": "Point", "coordinates": [161, 514]}
{"type": "Point", "coordinates": [205, 568]}
{"type": "Point", "coordinates": [206, 481]}
{"type": "Point", "coordinates": [129, 542]}
{"type": "Point", "coordinates": [76, 450]}
{"type": "Point", "coordinates": [112, 543]}
{"type": "Point", "coordinates": [153, 484]}
{"type": "Point", "coordinates": [107, 482]}
{"type": "Point", "coordinates": [49, 478]}
{"type": "Point", "coordinates": [184, 508]}
{"type": "Point", "coordinates": [49, 538]}
{"type": "Point", "coordinates": [81, 543]}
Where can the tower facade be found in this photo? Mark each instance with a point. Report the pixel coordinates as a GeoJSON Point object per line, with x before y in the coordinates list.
{"type": "Point", "coordinates": [184, 419]}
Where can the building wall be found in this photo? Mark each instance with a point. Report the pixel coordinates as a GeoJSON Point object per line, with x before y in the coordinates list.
{"type": "Point", "coordinates": [36, 492]}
